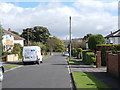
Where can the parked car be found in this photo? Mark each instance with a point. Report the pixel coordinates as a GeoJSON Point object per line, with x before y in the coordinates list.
{"type": "Point", "coordinates": [32, 54]}
{"type": "Point", "coordinates": [1, 71]}
{"type": "Point", "coordinates": [65, 54]}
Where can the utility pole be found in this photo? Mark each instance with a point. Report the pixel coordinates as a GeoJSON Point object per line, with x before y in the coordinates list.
{"type": "Point", "coordinates": [28, 36]}
{"type": "Point", "coordinates": [70, 39]}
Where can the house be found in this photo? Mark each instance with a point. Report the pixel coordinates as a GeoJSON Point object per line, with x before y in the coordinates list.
{"type": "Point", "coordinates": [113, 38]}
{"type": "Point", "coordinates": [9, 39]}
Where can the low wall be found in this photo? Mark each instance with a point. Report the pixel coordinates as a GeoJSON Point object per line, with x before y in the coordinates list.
{"type": "Point", "coordinates": [12, 58]}
{"type": "Point", "coordinates": [113, 64]}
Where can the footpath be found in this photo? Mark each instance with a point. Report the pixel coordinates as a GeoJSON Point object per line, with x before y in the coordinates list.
{"type": "Point", "coordinates": [99, 73]}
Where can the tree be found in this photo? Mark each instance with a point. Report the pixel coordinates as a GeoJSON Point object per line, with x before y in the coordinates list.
{"type": "Point", "coordinates": [42, 46]}
{"type": "Point", "coordinates": [36, 34]}
{"type": "Point", "coordinates": [41, 34]}
{"type": "Point", "coordinates": [17, 49]}
{"type": "Point", "coordinates": [55, 44]}
{"type": "Point", "coordinates": [76, 44]}
{"type": "Point", "coordinates": [95, 40]}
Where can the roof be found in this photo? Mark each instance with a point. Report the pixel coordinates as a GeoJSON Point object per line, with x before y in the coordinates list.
{"type": "Point", "coordinates": [16, 37]}
{"type": "Point", "coordinates": [114, 34]}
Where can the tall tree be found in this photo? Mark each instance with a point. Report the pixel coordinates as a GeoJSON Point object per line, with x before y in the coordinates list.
{"type": "Point", "coordinates": [41, 34]}
{"type": "Point", "coordinates": [55, 44]}
{"type": "Point", "coordinates": [36, 34]}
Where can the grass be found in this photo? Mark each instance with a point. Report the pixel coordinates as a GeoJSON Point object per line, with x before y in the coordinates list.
{"type": "Point", "coordinates": [73, 62]}
{"type": "Point", "coordinates": [87, 80]}
{"type": "Point", "coordinates": [46, 56]}
{"type": "Point", "coordinates": [10, 66]}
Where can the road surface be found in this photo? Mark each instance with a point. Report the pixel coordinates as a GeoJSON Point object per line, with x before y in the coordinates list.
{"type": "Point", "coordinates": [52, 73]}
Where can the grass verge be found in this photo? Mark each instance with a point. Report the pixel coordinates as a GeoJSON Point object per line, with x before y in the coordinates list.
{"type": "Point", "coordinates": [10, 66]}
{"type": "Point", "coordinates": [72, 62]}
{"type": "Point", "coordinates": [87, 80]}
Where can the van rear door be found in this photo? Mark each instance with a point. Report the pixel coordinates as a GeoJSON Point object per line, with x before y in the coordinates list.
{"type": "Point", "coordinates": [30, 55]}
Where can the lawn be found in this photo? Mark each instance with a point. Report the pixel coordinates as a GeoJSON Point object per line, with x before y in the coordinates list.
{"type": "Point", "coordinates": [10, 66]}
{"type": "Point", "coordinates": [87, 80]}
{"type": "Point", "coordinates": [72, 62]}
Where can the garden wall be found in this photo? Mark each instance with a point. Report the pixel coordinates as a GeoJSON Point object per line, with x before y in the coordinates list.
{"type": "Point", "coordinates": [12, 58]}
{"type": "Point", "coordinates": [113, 64]}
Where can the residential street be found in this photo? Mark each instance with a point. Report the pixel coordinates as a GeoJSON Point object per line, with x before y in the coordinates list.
{"type": "Point", "coordinates": [52, 73]}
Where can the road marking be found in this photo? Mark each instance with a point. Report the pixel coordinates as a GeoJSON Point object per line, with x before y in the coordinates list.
{"type": "Point", "coordinates": [13, 68]}
{"type": "Point", "coordinates": [71, 83]}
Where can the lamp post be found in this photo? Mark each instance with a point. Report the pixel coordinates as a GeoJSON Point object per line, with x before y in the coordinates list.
{"type": "Point", "coordinates": [70, 38]}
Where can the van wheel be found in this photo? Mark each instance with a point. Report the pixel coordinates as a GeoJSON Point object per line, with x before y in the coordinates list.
{"type": "Point", "coordinates": [41, 62]}
{"type": "Point", "coordinates": [38, 62]}
{"type": "Point", "coordinates": [24, 63]}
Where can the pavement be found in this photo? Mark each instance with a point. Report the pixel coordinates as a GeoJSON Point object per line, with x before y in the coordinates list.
{"type": "Point", "coordinates": [100, 73]}
{"type": "Point", "coordinates": [52, 73]}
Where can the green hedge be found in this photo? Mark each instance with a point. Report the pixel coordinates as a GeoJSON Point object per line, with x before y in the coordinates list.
{"type": "Point", "coordinates": [107, 47]}
{"type": "Point", "coordinates": [75, 52]}
{"type": "Point", "coordinates": [88, 57]}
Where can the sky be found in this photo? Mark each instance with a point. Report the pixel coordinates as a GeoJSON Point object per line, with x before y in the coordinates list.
{"type": "Point", "coordinates": [88, 16]}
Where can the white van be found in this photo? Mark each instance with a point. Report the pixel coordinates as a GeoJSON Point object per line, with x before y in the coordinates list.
{"type": "Point", "coordinates": [32, 54]}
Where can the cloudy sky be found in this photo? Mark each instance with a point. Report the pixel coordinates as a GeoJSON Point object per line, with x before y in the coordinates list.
{"type": "Point", "coordinates": [88, 16]}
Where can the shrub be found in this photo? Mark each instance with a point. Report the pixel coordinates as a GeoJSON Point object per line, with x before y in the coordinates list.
{"type": "Point", "coordinates": [95, 40]}
{"type": "Point", "coordinates": [17, 49]}
{"type": "Point", "coordinates": [79, 50]}
{"type": "Point", "coordinates": [88, 57]}
{"type": "Point", "coordinates": [74, 52]}
{"type": "Point", "coordinates": [84, 54]}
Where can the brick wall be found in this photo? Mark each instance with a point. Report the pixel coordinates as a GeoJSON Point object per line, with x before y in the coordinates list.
{"type": "Point", "coordinates": [113, 64]}
{"type": "Point", "coordinates": [98, 59]}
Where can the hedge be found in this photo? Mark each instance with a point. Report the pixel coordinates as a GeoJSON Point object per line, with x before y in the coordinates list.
{"type": "Point", "coordinates": [88, 57]}
{"type": "Point", "coordinates": [107, 47]}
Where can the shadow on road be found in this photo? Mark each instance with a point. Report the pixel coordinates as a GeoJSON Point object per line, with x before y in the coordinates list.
{"type": "Point", "coordinates": [19, 63]}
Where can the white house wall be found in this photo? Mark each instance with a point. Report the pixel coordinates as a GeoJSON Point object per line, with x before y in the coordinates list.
{"type": "Point", "coordinates": [21, 42]}
{"type": "Point", "coordinates": [118, 40]}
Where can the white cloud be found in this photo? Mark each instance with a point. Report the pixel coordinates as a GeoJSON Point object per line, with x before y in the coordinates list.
{"type": "Point", "coordinates": [88, 16]}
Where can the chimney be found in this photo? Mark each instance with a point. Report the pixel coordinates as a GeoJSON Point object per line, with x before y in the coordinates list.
{"type": "Point", "coordinates": [9, 29]}
{"type": "Point", "coordinates": [111, 32]}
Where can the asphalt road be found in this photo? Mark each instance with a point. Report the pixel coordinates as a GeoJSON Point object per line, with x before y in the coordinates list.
{"type": "Point", "coordinates": [52, 73]}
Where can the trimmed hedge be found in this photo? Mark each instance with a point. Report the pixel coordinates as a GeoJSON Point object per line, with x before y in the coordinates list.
{"type": "Point", "coordinates": [88, 57]}
{"type": "Point", "coordinates": [107, 47]}
{"type": "Point", "coordinates": [75, 52]}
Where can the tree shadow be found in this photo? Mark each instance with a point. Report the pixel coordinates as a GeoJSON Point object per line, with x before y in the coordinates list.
{"type": "Point", "coordinates": [106, 78]}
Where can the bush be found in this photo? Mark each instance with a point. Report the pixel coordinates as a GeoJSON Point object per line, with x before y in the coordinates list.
{"type": "Point", "coordinates": [88, 57]}
{"type": "Point", "coordinates": [95, 40]}
{"type": "Point", "coordinates": [78, 53]}
{"type": "Point", "coordinates": [17, 49]}
{"type": "Point", "coordinates": [74, 52]}
{"type": "Point", "coordinates": [107, 47]}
